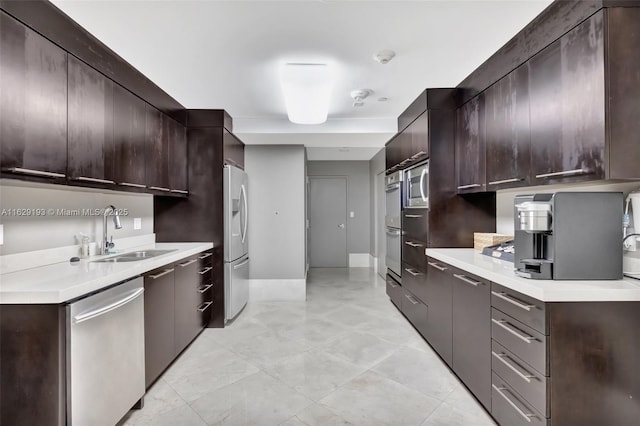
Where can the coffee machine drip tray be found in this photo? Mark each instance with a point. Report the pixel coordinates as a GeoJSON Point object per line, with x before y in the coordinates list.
{"type": "Point", "coordinates": [539, 269]}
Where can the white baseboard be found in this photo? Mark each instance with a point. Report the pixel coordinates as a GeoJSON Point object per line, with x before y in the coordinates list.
{"type": "Point", "coordinates": [277, 290]}
{"type": "Point", "coordinates": [359, 260]}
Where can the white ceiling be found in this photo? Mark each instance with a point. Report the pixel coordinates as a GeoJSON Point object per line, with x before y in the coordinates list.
{"type": "Point", "coordinates": [227, 54]}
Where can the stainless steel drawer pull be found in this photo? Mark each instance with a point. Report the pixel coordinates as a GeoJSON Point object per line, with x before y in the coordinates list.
{"type": "Point", "coordinates": [90, 179]}
{"type": "Point", "coordinates": [188, 263]}
{"type": "Point", "coordinates": [32, 172]}
{"type": "Point", "coordinates": [412, 244]}
{"type": "Point", "coordinates": [504, 324]}
{"type": "Point", "coordinates": [392, 187]}
{"type": "Point", "coordinates": [498, 182]}
{"type": "Point", "coordinates": [564, 173]}
{"type": "Point", "coordinates": [473, 185]}
{"type": "Point", "coordinates": [513, 301]}
{"type": "Point", "coordinates": [526, 376]}
{"type": "Point", "coordinates": [205, 288]}
{"type": "Point", "coordinates": [160, 188]}
{"type": "Point", "coordinates": [134, 185]}
{"type": "Point", "coordinates": [417, 155]}
{"type": "Point", "coordinates": [412, 272]}
{"type": "Point", "coordinates": [411, 299]}
{"type": "Point", "coordinates": [526, 416]}
{"type": "Point", "coordinates": [438, 267]}
{"type": "Point", "coordinates": [413, 216]}
{"type": "Point", "coordinates": [467, 280]}
{"type": "Point", "coordinates": [205, 270]}
{"type": "Point", "coordinates": [180, 191]}
{"type": "Point", "coordinates": [161, 274]}
{"type": "Point", "coordinates": [204, 256]}
{"type": "Point", "coordinates": [204, 306]}
{"type": "Point", "coordinates": [395, 233]}
{"type": "Point", "coordinates": [393, 285]}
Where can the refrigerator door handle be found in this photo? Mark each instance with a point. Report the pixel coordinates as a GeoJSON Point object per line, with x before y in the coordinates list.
{"type": "Point", "coordinates": [240, 265]}
{"type": "Point", "coordinates": [246, 213]}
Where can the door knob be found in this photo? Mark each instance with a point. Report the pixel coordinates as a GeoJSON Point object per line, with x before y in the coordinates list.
{"type": "Point", "coordinates": [341, 226]}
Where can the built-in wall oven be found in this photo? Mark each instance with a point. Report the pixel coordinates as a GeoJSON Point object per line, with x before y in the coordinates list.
{"type": "Point", "coordinates": [416, 186]}
{"type": "Point", "coordinates": [393, 221]}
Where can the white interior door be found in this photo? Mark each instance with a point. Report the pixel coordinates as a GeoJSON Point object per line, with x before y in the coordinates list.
{"type": "Point", "coordinates": [328, 222]}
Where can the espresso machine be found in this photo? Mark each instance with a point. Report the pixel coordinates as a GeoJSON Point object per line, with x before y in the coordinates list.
{"type": "Point", "coordinates": [568, 236]}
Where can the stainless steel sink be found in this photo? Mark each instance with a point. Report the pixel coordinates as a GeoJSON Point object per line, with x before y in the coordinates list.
{"type": "Point", "coordinates": [134, 256]}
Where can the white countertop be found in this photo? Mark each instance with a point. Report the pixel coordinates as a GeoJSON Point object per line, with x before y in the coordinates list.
{"type": "Point", "coordinates": [501, 272]}
{"type": "Point", "coordinates": [64, 281]}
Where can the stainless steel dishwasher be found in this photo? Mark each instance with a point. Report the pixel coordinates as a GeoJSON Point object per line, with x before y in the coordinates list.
{"type": "Point", "coordinates": [105, 354]}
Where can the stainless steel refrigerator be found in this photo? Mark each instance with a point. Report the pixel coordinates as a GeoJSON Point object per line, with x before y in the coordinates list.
{"type": "Point", "coordinates": [236, 242]}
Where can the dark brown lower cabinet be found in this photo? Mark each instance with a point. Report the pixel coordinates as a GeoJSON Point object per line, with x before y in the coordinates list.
{"type": "Point", "coordinates": [159, 311]}
{"type": "Point", "coordinates": [471, 358]}
{"type": "Point", "coordinates": [187, 302]}
{"type": "Point", "coordinates": [416, 312]}
{"type": "Point", "coordinates": [173, 312]}
{"type": "Point", "coordinates": [439, 296]}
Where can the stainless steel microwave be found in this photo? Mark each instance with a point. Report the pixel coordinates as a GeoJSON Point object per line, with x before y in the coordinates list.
{"type": "Point", "coordinates": [416, 181]}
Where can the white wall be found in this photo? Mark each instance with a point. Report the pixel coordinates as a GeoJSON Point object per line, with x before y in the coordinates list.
{"type": "Point", "coordinates": [358, 199]}
{"type": "Point", "coordinates": [63, 218]}
{"type": "Point", "coordinates": [376, 166]}
{"type": "Point", "coordinates": [276, 211]}
{"type": "Point", "coordinates": [504, 198]}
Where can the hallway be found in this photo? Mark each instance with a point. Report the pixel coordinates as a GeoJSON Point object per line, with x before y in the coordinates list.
{"type": "Point", "coordinates": [345, 356]}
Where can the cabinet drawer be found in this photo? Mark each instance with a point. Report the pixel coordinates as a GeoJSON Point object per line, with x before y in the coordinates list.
{"type": "Point", "coordinates": [415, 311]}
{"type": "Point", "coordinates": [523, 378]}
{"type": "Point", "coordinates": [525, 309]}
{"type": "Point", "coordinates": [206, 292]}
{"type": "Point", "coordinates": [394, 291]}
{"type": "Point", "coordinates": [521, 340]}
{"type": "Point", "coordinates": [205, 273]}
{"type": "Point", "coordinates": [415, 224]}
{"type": "Point", "coordinates": [413, 253]}
{"type": "Point", "coordinates": [414, 281]}
{"type": "Point", "coordinates": [509, 408]}
{"type": "Point", "coordinates": [206, 258]}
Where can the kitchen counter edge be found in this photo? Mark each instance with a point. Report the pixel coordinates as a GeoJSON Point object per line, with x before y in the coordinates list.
{"type": "Point", "coordinates": [502, 272]}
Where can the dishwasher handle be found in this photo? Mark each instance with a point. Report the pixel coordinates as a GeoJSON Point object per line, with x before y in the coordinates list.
{"type": "Point", "coordinates": [108, 308]}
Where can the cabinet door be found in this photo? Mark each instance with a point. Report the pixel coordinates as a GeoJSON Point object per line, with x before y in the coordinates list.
{"type": "Point", "coordinates": [177, 156]}
{"type": "Point", "coordinates": [233, 150]}
{"type": "Point", "coordinates": [507, 131]}
{"type": "Point", "coordinates": [404, 150]}
{"type": "Point", "coordinates": [470, 146]}
{"type": "Point", "coordinates": [471, 357]}
{"type": "Point", "coordinates": [187, 300]}
{"type": "Point", "coordinates": [159, 307]}
{"type": "Point", "coordinates": [157, 150]}
{"type": "Point", "coordinates": [129, 137]}
{"type": "Point", "coordinates": [33, 102]}
{"type": "Point", "coordinates": [568, 106]}
{"type": "Point", "coordinates": [420, 137]}
{"type": "Point", "coordinates": [90, 144]}
{"type": "Point", "coordinates": [439, 297]}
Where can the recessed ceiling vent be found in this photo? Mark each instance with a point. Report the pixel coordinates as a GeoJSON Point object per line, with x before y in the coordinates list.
{"type": "Point", "coordinates": [359, 96]}
{"type": "Point", "coordinates": [384, 56]}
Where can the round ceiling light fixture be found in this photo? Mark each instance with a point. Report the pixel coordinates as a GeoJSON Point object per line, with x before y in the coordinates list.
{"type": "Point", "coordinates": [384, 56]}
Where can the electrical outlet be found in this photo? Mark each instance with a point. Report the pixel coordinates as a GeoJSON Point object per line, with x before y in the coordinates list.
{"type": "Point", "coordinates": [1, 235]}
{"type": "Point", "coordinates": [137, 223]}
{"type": "Point", "coordinates": [352, 214]}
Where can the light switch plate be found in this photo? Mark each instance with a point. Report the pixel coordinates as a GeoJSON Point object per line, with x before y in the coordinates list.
{"type": "Point", "coordinates": [1, 235]}
{"type": "Point", "coordinates": [137, 223]}
{"type": "Point", "coordinates": [352, 214]}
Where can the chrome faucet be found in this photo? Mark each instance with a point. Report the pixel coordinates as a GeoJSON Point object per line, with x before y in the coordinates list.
{"type": "Point", "coordinates": [106, 244]}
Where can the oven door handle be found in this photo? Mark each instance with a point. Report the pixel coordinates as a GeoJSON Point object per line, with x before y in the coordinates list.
{"type": "Point", "coordinates": [422, 176]}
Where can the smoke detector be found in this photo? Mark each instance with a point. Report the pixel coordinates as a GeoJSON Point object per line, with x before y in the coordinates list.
{"type": "Point", "coordinates": [384, 56]}
{"type": "Point", "coordinates": [359, 96]}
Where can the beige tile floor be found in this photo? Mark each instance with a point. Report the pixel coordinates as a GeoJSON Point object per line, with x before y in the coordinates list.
{"type": "Point", "coordinates": [346, 356]}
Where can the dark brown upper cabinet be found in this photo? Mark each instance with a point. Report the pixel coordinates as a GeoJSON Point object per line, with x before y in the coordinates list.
{"type": "Point", "coordinates": [33, 102]}
{"type": "Point", "coordinates": [90, 145]}
{"type": "Point", "coordinates": [129, 138]}
{"type": "Point", "coordinates": [157, 150]}
{"type": "Point", "coordinates": [567, 92]}
{"type": "Point", "coordinates": [508, 141]}
{"type": "Point", "coordinates": [420, 138]}
{"type": "Point", "coordinates": [470, 146]}
{"type": "Point", "coordinates": [177, 156]}
{"type": "Point", "coordinates": [233, 149]}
